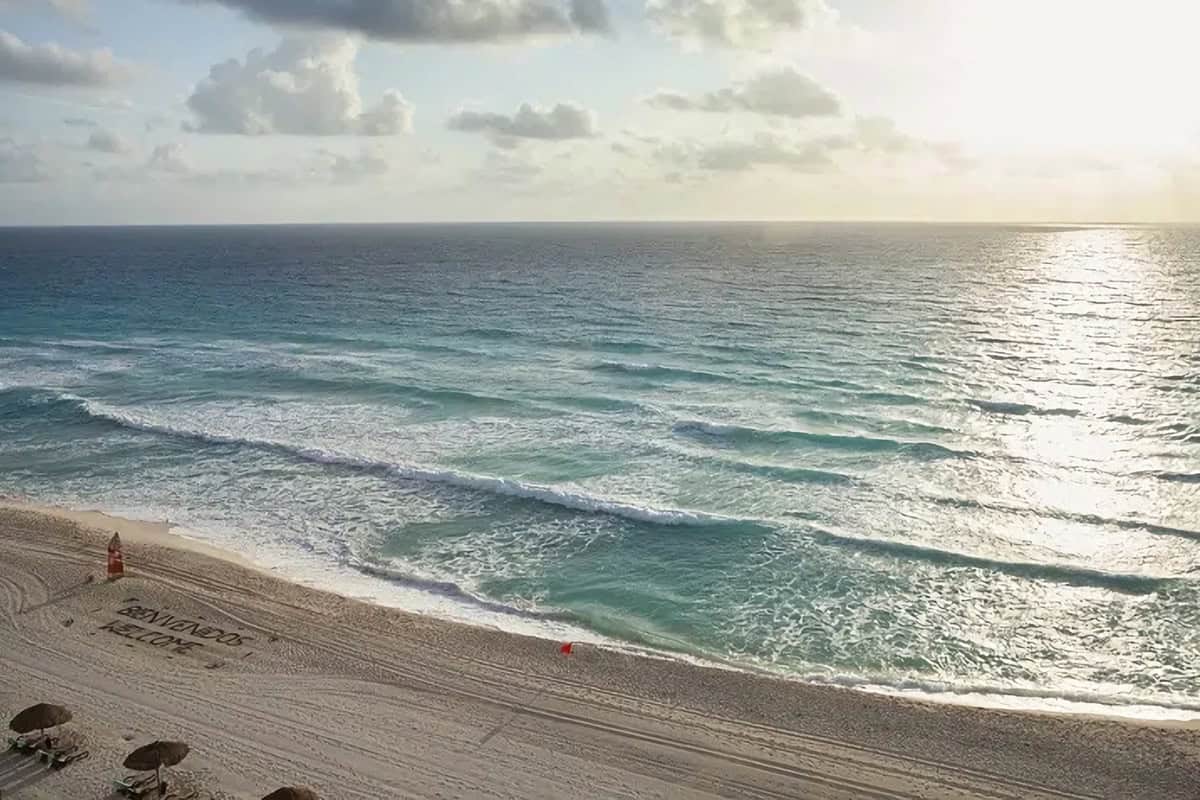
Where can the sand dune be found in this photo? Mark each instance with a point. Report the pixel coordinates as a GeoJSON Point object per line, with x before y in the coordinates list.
{"type": "Point", "coordinates": [274, 683]}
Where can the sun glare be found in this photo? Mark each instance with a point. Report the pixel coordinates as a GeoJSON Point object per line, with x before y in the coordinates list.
{"type": "Point", "coordinates": [1090, 77]}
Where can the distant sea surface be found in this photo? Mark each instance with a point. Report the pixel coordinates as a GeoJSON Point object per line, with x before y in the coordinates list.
{"type": "Point", "coordinates": [960, 460]}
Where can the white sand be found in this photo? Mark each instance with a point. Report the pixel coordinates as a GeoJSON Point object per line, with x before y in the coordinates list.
{"type": "Point", "coordinates": [358, 701]}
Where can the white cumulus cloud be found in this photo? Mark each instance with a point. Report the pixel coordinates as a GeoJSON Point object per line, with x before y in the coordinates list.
{"type": "Point", "coordinates": [782, 91]}
{"type": "Point", "coordinates": [50, 64]}
{"type": "Point", "coordinates": [563, 121]}
{"type": "Point", "coordinates": [306, 86]}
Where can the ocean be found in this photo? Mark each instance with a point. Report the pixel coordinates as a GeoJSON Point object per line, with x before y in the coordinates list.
{"type": "Point", "coordinates": [952, 460]}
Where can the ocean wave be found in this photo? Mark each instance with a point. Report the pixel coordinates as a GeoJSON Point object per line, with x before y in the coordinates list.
{"type": "Point", "coordinates": [1069, 516]}
{"type": "Point", "coordinates": [549, 495]}
{"type": "Point", "coordinates": [452, 590]}
{"type": "Point", "coordinates": [891, 398]}
{"type": "Point", "coordinates": [18, 396]}
{"type": "Point", "coordinates": [583, 402]}
{"type": "Point", "coordinates": [1021, 409]}
{"type": "Point", "coordinates": [1003, 340]}
{"type": "Point", "coordinates": [926, 364]}
{"type": "Point", "coordinates": [490, 333]}
{"type": "Point", "coordinates": [787, 473]}
{"type": "Point", "coordinates": [934, 688]}
{"type": "Point", "coordinates": [665, 374]}
{"type": "Point", "coordinates": [859, 391]}
{"type": "Point", "coordinates": [341, 342]}
{"type": "Point", "coordinates": [610, 345]}
{"type": "Point", "coordinates": [1173, 477]}
{"type": "Point", "coordinates": [1184, 388]}
{"type": "Point", "coordinates": [1126, 419]}
{"type": "Point", "coordinates": [790, 474]}
{"type": "Point", "coordinates": [440, 349]}
{"type": "Point", "coordinates": [276, 379]}
{"type": "Point", "coordinates": [659, 372]}
{"type": "Point", "coordinates": [1070, 574]}
{"type": "Point", "coordinates": [95, 346]}
{"type": "Point", "coordinates": [1183, 432]}
{"type": "Point", "coordinates": [902, 426]}
{"type": "Point", "coordinates": [746, 352]}
{"type": "Point", "coordinates": [743, 435]}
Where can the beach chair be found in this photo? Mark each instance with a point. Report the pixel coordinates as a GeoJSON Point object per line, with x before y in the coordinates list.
{"type": "Point", "coordinates": [62, 755]}
{"type": "Point", "coordinates": [30, 743]}
{"type": "Point", "coordinates": [135, 785]}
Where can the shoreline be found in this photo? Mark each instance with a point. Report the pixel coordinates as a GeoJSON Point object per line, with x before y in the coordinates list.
{"type": "Point", "coordinates": [284, 682]}
{"type": "Point", "coordinates": [1014, 699]}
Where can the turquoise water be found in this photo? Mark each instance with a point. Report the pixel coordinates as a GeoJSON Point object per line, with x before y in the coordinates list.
{"type": "Point", "coordinates": [948, 458]}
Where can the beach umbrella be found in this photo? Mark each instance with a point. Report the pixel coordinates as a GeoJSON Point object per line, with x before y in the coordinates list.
{"type": "Point", "coordinates": [155, 756]}
{"type": "Point", "coordinates": [292, 793]}
{"type": "Point", "coordinates": [40, 717]}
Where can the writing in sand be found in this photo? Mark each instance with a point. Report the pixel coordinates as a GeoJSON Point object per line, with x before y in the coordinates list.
{"type": "Point", "coordinates": [177, 627]}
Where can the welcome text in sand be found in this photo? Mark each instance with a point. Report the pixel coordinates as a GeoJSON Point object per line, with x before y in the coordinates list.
{"type": "Point", "coordinates": [176, 625]}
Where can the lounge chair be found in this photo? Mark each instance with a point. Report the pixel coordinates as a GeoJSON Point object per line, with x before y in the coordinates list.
{"type": "Point", "coordinates": [31, 743]}
{"type": "Point", "coordinates": [63, 754]}
{"type": "Point", "coordinates": [132, 782]}
{"type": "Point", "coordinates": [135, 785]}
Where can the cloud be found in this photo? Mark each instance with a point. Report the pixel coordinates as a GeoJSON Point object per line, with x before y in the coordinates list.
{"type": "Point", "coordinates": [783, 91]}
{"type": "Point", "coordinates": [767, 150]}
{"type": "Point", "coordinates": [305, 87]}
{"type": "Point", "coordinates": [564, 121]}
{"type": "Point", "coordinates": [105, 141]}
{"type": "Point", "coordinates": [169, 158]}
{"type": "Point", "coordinates": [513, 171]}
{"type": "Point", "coordinates": [349, 169]}
{"type": "Point", "coordinates": [590, 16]}
{"type": "Point", "coordinates": [863, 143]}
{"type": "Point", "coordinates": [21, 163]}
{"type": "Point", "coordinates": [507, 170]}
{"type": "Point", "coordinates": [880, 135]}
{"type": "Point", "coordinates": [52, 65]}
{"type": "Point", "coordinates": [444, 21]}
{"type": "Point", "coordinates": [736, 23]}
{"type": "Point", "coordinates": [170, 162]}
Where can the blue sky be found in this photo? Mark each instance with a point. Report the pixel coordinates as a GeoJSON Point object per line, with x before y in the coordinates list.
{"type": "Point", "coordinates": [160, 111]}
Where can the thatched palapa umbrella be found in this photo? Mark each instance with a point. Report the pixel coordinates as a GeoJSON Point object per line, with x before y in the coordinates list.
{"type": "Point", "coordinates": [292, 793]}
{"type": "Point", "coordinates": [155, 756]}
{"type": "Point", "coordinates": [40, 717]}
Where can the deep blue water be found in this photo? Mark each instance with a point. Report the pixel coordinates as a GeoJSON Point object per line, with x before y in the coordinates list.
{"type": "Point", "coordinates": [946, 457]}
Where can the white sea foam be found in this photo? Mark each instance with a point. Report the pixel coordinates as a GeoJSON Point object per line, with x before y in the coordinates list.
{"type": "Point", "coordinates": [1079, 701]}
{"type": "Point", "coordinates": [562, 497]}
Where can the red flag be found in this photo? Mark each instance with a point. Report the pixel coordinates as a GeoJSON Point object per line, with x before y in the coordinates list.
{"type": "Point", "coordinates": [116, 561]}
{"type": "Point", "coordinates": [565, 649]}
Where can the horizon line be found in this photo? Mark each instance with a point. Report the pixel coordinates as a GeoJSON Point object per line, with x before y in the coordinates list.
{"type": "Point", "coordinates": [616, 221]}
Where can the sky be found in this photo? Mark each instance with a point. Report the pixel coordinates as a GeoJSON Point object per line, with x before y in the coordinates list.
{"type": "Point", "coordinates": [231, 111]}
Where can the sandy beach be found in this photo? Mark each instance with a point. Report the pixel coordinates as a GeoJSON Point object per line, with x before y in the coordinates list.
{"type": "Point", "coordinates": [275, 683]}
